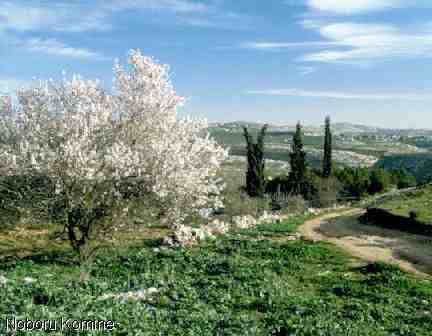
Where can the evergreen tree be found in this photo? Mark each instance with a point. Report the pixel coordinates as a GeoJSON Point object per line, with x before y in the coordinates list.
{"type": "Point", "coordinates": [255, 179]}
{"type": "Point", "coordinates": [327, 160]}
{"type": "Point", "coordinates": [297, 175]}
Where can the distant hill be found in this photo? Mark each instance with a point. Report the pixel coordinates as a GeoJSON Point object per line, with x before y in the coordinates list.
{"type": "Point", "coordinates": [337, 128]}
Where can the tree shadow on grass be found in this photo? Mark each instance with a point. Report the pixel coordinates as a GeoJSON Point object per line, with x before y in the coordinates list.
{"type": "Point", "coordinates": [62, 258]}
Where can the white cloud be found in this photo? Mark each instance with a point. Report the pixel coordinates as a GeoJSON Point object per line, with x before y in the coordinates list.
{"type": "Point", "coordinates": [352, 6]}
{"type": "Point", "coordinates": [283, 45]}
{"type": "Point", "coordinates": [306, 70]}
{"type": "Point", "coordinates": [179, 6]}
{"type": "Point", "coordinates": [81, 15]}
{"type": "Point", "coordinates": [14, 16]}
{"type": "Point", "coordinates": [57, 48]}
{"type": "Point", "coordinates": [341, 95]}
{"type": "Point", "coordinates": [359, 42]}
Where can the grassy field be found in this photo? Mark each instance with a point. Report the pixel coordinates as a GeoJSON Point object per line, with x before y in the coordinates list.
{"type": "Point", "coordinates": [419, 201]}
{"type": "Point", "coordinates": [251, 282]}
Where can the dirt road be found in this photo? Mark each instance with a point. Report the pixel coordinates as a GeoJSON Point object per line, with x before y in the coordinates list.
{"type": "Point", "coordinates": [410, 252]}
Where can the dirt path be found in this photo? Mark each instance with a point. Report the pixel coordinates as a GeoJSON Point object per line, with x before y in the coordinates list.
{"type": "Point", "coordinates": [410, 252]}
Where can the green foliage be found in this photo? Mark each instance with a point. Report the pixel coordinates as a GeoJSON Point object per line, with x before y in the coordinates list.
{"type": "Point", "coordinates": [402, 179]}
{"type": "Point", "coordinates": [327, 159]}
{"type": "Point", "coordinates": [297, 174]}
{"type": "Point", "coordinates": [300, 178]}
{"type": "Point", "coordinates": [359, 182]}
{"type": "Point", "coordinates": [418, 141]}
{"type": "Point", "coordinates": [355, 181]}
{"type": "Point", "coordinates": [379, 181]}
{"type": "Point", "coordinates": [418, 165]}
{"type": "Point", "coordinates": [255, 178]}
{"type": "Point", "coordinates": [307, 189]}
{"type": "Point", "coordinates": [229, 286]}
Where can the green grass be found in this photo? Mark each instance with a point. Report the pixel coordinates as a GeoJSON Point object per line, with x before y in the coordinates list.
{"type": "Point", "coordinates": [229, 286]}
{"type": "Point", "coordinates": [419, 201]}
{"type": "Point", "coordinates": [275, 230]}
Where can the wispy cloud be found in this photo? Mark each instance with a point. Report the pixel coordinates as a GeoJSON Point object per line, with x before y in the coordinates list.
{"type": "Point", "coordinates": [347, 7]}
{"type": "Point", "coordinates": [45, 17]}
{"type": "Point", "coordinates": [56, 48]}
{"type": "Point", "coordinates": [341, 94]}
{"type": "Point", "coordinates": [179, 6]}
{"type": "Point", "coordinates": [82, 15]}
{"type": "Point", "coordinates": [306, 70]}
{"type": "Point", "coordinates": [284, 45]}
{"type": "Point", "coordinates": [371, 42]}
{"type": "Point", "coordinates": [21, 17]}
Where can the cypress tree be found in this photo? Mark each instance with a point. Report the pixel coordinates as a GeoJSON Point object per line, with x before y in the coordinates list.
{"type": "Point", "coordinates": [297, 175]}
{"type": "Point", "coordinates": [327, 159]}
{"type": "Point", "coordinates": [255, 179]}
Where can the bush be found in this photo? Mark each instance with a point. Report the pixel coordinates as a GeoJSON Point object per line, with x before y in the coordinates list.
{"type": "Point", "coordinates": [360, 182]}
{"type": "Point", "coordinates": [296, 204]}
{"type": "Point", "coordinates": [355, 181]}
{"type": "Point", "coordinates": [379, 181]}
{"type": "Point", "coordinates": [239, 203]}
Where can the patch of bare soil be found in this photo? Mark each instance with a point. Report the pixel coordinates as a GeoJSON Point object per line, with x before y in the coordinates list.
{"type": "Point", "coordinates": [412, 253]}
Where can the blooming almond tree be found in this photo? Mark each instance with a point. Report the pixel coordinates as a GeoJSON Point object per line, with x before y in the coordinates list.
{"type": "Point", "coordinates": [87, 142]}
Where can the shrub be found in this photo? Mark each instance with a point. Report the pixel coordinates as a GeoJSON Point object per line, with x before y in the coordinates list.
{"type": "Point", "coordinates": [379, 181]}
{"type": "Point", "coordinates": [354, 181]}
{"type": "Point", "coordinates": [296, 204]}
{"type": "Point", "coordinates": [239, 203]}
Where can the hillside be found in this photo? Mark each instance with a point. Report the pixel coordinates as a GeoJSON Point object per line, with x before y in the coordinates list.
{"type": "Point", "coordinates": [354, 145]}
{"type": "Point", "coordinates": [419, 165]}
{"type": "Point", "coordinates": [337, 127]}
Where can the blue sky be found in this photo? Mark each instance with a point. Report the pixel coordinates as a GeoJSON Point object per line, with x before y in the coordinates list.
{"type": "Point", "coordinates": [364, 61]}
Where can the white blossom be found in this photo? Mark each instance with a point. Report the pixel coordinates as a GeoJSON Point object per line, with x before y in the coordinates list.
{"type": "Point", "coordinates": [75, 131]}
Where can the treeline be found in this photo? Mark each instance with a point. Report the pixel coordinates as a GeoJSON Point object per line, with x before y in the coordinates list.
{"type": "Point", "coordinates": [323, 186]}
{"type": "Point", "coordinates": [359, 182]}
{"type": "Point", "coordinates": [419, 165]}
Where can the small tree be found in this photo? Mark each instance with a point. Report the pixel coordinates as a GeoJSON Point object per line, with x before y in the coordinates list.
{"type": "Point", "coordinates": [327, 159]}
{"type": "Point", "coordinates": [297, 175]}
{"type": "Point", "coordinates": [255, 179]}
{"type": "Point", "coordinates": [88, 142]}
